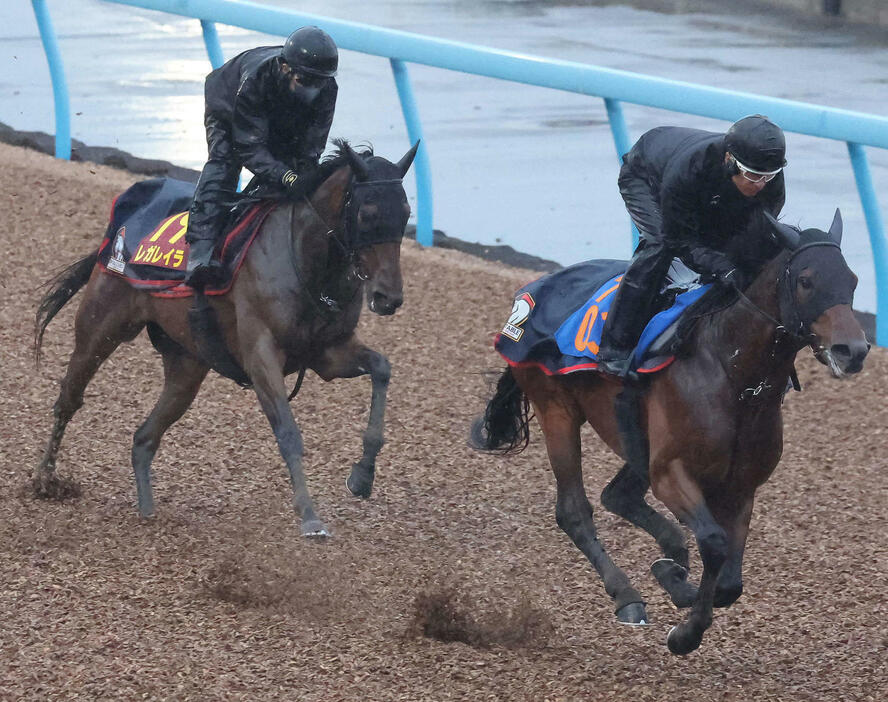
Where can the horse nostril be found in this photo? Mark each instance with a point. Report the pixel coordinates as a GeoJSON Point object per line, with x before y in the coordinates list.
{"type": "Point", "coordinates": [385, 305]}
{"type": "Point", "coordinates": [840, 351]}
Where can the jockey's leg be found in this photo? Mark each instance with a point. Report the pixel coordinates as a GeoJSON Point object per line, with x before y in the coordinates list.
{"type": "Point", "coordinates": [630, 309]}
{"type": "Point", "coordinates": [216, 186]}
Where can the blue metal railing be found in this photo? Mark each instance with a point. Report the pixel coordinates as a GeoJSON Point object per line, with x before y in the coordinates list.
{"type": "Point", "coordinates": [856, 129]}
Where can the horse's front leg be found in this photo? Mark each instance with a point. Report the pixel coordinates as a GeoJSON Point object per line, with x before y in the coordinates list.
{"type": "Point", "coordinates": [730, 580]}
{"type": "Point", "coordinates": [349, 360]}
{"type": "Point", "coordinates": [264, 362]}
{"type": "Point", "coordinates": [624, 495]}
{"type": "Point", "coordinates": [682, 495]}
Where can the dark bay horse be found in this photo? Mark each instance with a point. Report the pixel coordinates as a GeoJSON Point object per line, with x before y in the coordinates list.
{"type": "Point", "coordinates": [294, 305]}
{"type": "Point", "coordinates": [712, 421]}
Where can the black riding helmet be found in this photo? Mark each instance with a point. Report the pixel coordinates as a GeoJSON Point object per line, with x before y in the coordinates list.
{"type": "Point", "coordinates": [757, 143]}
{"type": "Point", "coordinates": [310, 50]}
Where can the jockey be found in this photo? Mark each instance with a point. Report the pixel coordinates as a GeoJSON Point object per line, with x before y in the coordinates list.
{"type": "Point", "coordinates": [268, 109]}
{"type": "Point", "coordinates": [699, 196]}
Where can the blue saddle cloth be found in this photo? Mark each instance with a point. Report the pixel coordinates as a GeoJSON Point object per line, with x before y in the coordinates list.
{"type": "Point", "coordinates": [556, 320]}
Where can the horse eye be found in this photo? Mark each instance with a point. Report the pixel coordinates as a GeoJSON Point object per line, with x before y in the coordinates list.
{"type": "Point", "coordinates": [805, 283]}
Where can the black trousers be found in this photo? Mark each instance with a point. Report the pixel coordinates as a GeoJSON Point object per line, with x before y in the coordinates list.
{"type": "Point", "coordinates": [217, 184]}
{"type": "Point", "coordinates": [631, 308]}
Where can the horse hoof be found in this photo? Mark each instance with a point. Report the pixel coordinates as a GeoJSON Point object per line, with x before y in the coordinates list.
{"type": "Point", "coordinates": [673, 578]}
{"type": "Point", "coordinates": [358, 488]}
{"type": "Point", "coordinates": [633, 614]}
{"type": "Point", "coordinates": [681, 644]}
{"type": "Point", "coordinates": [315, 529]}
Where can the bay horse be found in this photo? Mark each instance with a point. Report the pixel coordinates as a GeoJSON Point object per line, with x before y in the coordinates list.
{"type": "Point", "coordinates": [711, 424]}
{"type": "Point", "coordinates": [294, 305]}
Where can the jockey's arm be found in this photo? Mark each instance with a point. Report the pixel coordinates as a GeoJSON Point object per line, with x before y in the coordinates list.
{"type": "Point", "coordinates": [681, 203]}
{"type": "Point", "coordinates": [314, 138]}
{"type": "Point", "coordinates": [250, 130]}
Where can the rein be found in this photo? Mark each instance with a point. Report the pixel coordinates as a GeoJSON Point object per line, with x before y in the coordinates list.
{"type": "Point", "coordinates": [325, 306]}
{"type": "Point", "coordinates": [795, 332]}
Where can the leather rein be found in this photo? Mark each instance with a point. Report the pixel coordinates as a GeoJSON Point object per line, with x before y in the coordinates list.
{"type": "Point", "coordinates": [324, 305]}
{"type": "Point", "coordinates": [794, 330]}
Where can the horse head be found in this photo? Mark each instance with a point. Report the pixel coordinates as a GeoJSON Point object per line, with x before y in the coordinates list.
{"type": "Point", "coordinates": [816, 289]}
{"type": "Point", "coordinates": [376, 214]}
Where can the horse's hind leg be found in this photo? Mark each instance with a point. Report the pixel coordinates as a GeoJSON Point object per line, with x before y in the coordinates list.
{"type": "Point", "coordinates": [99, 328]}
{"type": "Point", "coordinates": [624, 496]}
{"type": "Point", "coordinates": [183, 375]}
{"type": "Point", "coordinates": [573, 511]}
{"type": "Point", "coordinates": [350, 360]}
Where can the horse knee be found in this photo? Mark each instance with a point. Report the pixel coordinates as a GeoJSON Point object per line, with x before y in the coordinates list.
{"type": "Point", "coordinates": [145, 441]}
{"type": "Point", "coordinates": [380, 369]}
{"type": "Point", "coordinates": [570, 519]}
{"type": "Point", "coordinates": [713, 546]}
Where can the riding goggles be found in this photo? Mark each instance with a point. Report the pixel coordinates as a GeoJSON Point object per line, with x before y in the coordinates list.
{"type": "Point", "coordinates": [754, 176]}
{"type": "Point", "coordinates": [303, 77]}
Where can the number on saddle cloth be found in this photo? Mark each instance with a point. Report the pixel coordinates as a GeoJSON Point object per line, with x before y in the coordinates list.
{"type": "Point", "coordinates": [145, 241]}
{"type": "Point", "coordinates": [557, 320]}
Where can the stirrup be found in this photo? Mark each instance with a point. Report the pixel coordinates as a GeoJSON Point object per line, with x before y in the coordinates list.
{"type": "Point", "coordinates": [619, 367]}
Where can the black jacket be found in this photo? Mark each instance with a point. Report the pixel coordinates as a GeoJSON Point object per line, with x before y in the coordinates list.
{"type": "Point", "coordinates": [702, 211]}
{"type": "Point", "coordinates": [271, 131]}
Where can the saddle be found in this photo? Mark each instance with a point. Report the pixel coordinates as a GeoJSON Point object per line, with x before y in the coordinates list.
{"type": "Point", "coordinates": [557, 320]}
{"type": "Point", "coordinates": [145, 239]}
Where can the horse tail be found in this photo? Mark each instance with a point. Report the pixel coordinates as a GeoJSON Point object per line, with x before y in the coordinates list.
{"type": "Point", "coordinates": [505, 425]}
{"type": "Point", "coordinates": [61, 289]}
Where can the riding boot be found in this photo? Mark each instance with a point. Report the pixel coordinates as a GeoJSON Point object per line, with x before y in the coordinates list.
{"type": "Point", "coordinates": [206, 219]}
{"type": "Point", "coordinates": [202, 269]}
{"type": "Point", "coordinates": [630, 309]}
{"type": "Point", "coordinates": [629, 314]}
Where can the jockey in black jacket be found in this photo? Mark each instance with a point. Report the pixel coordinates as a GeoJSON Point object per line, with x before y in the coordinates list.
{"type": "Point", "coordinates": [698, 196]}
{"type": "Point", "coordinates": [268, 109]}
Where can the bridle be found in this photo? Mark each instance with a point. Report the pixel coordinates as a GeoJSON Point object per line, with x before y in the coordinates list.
{"type": "Point", "coordinates": [324, 305]}
{"type": "Point", "coordinates": [793, 329]}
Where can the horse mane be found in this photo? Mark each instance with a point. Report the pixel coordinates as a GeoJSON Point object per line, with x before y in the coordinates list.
{"type": "Point", "coordinates": [311, 181]}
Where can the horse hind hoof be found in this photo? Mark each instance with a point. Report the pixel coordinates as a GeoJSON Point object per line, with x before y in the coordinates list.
{"type": "Point", "coordinates": [633, 614]}
{"type": "Point", "coordinates": [682, 644]}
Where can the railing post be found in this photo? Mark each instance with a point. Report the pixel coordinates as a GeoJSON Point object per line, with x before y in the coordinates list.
{"type": "Point", "coordinates": [211, 40]}
{"type": "Point", "coordinates": [57, 73]}
{"type": "Point", "coordinates": [877, 236]}
{"type": "Point", "coordinates": [621, 141]}
{"type": "Point", "coordinates": [422, 169]}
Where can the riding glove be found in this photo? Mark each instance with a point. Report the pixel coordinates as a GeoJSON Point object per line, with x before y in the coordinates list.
{"type": "Point", "coordinates": [289, 180]}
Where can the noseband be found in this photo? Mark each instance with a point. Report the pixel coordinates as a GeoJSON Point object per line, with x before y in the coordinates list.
{"type": "Point", "coordinates": [350, 242]}
{"type": "Point", "coordinates": [793, 328]}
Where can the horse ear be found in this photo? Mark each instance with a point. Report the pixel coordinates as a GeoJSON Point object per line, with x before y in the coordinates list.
{"type": "Point", "coordinates": [786, 235]}
{"type": "Point", "coordinates": [835, 229]}
{"type": "Point", "coordinates": [407, 159]}
{"type": "Point", "coordinates": [357, 163]}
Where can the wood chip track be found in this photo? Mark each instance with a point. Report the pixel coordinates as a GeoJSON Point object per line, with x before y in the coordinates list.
{"type": "Point", "coordinates": [220, 598]}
